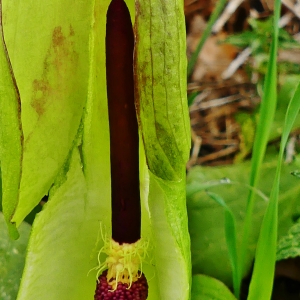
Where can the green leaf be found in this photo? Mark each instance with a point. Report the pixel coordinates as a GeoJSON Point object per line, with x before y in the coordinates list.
{"type": "Point", "coordinates": [192, 97]}
{"type": "Point", "coordinates": [296, 173]}
{"type": "Point", "coordinates": [49, 56]}
{"type": "Point", "coordinates": [209, 288]}
{"type": "Point", "coordinates": [260, 36]}
{"type": "Point", "coordinates": [160, 70]}
{"type": "Point", "coordinates": [230, 235]}
{"type": "Point", "coordinates": [11, 135]}
{"type": "Point", "coordinates": [289, 84]}
{"type": "Point", "coordinates": [12, 258]}
{"type": "Point", "coordinates": [206, 218]}
{"type": "Point", "coordinates": [289, 245]}
{"type": "Point", "coordinates": [247, 121]}
{"type": "Point", "coordinates": [247, 124]}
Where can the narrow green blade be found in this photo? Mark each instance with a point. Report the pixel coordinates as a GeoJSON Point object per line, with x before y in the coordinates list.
{"type": "Point", "coordinates": [266, 116]}
{"type": "Point", "coordinates": [264, 267]}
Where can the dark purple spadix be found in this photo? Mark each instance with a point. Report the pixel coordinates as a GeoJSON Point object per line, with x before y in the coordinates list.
{"type": "Point", "coordinates": [124, 140]}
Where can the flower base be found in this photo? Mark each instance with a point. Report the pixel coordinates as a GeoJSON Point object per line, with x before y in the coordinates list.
{"type": "Point", "coordinates": [123, 263]}
{"type": "Point", "coordinates": [137, 291]}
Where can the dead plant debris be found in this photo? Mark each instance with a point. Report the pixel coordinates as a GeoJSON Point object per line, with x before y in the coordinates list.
{"type": "Point", "coordinates": [225, 77]}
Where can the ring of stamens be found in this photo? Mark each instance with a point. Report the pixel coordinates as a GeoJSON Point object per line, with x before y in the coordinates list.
{"type": "Point", "coordinates": [123, 261]}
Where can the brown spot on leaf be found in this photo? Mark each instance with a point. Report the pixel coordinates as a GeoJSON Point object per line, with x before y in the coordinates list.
{"type": "Point", "coordinates": [41, 90]}
{"type": "Point", "coordinates": [72, 32]}
{"type": "Point", "coordinates": [60, 64]}
{"type": "Point", "coordinates": [57, 37]}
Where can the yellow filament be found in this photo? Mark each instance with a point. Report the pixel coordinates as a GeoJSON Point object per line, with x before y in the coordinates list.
{"type": "Point", "coordinates": [123, 261]}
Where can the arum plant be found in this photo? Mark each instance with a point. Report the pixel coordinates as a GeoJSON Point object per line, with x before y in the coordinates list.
{"type": "Point", "coordinates": [59, 140]}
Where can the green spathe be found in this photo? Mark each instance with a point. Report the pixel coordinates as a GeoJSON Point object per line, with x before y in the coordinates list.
{"type": "Point", "coordinates": [161, 86]}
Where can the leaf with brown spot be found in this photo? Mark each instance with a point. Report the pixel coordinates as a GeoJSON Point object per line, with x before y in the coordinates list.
{"type": "Point", "coordinates": [49, 56]}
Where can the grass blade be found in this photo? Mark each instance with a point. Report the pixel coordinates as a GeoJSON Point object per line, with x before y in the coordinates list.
{"type": "Point", "coordinates": [264, 267]}
{"type": "Point", "coordinates": [230, 234]}
{"type": "Point", "coordinates": [214, 16]}
{"type": "Point", "coordinates": [267, 111]}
